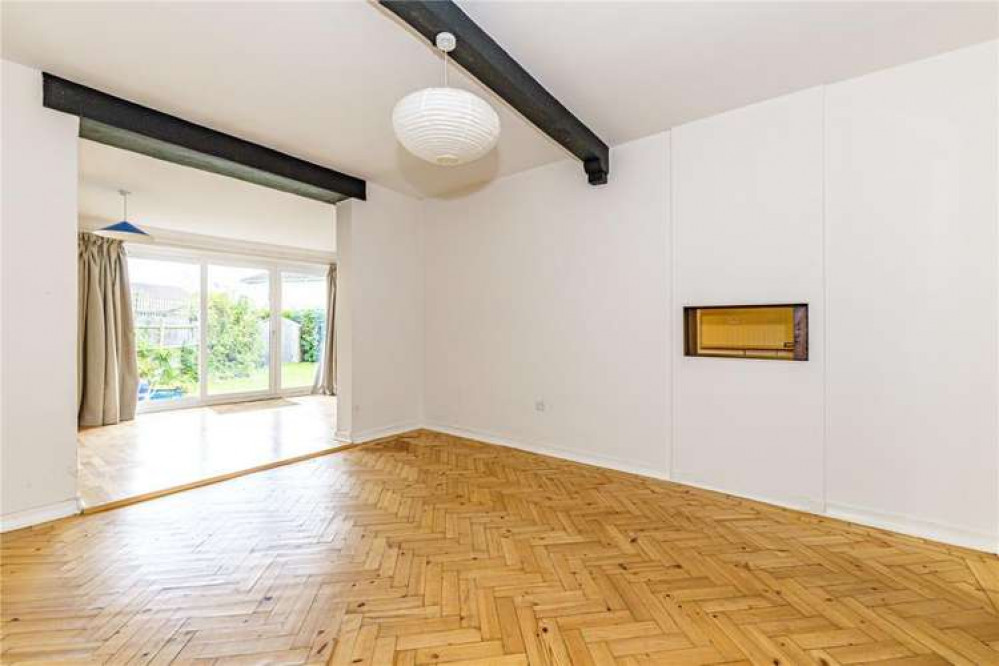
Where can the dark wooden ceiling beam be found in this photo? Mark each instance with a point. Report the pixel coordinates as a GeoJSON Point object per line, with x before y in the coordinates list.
{"type": "Point", "coordinates": [483, 58]}
{"type": "Point", "coordinates": [119, 122]}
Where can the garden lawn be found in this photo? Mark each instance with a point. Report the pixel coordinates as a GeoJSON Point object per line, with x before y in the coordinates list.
{"type": "Point", "coordinates": [293, 375]}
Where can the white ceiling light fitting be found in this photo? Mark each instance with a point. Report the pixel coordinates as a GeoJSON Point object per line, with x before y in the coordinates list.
{"type": "Point", "coordinates": [446, 126]}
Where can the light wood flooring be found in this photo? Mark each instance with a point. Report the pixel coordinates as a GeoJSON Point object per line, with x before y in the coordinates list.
{"type": "Point", "coordinates": [171, 449]}
{"type": "Point", "coordinates": [427, 549]}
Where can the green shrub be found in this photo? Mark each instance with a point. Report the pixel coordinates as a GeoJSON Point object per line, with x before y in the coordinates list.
{"type": "Point", "coordinates": [235, 347]}
{"type": "Point", "coordinates": [164, 367]}
{"type": "Point", "coordinates": [310, 323]}
{"type": "Point", "coordinates": [308, 336]}
{"type": "Point", "coordinates": [189, 363]}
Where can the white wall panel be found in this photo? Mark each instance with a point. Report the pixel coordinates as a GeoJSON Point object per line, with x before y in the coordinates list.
{"type": "Point", "coordinates": [38, 329]}
{"type": "Point", "coordinates": [911, 215]}
{"type": "Point", "coordinates": [748, 229]}
{"type": "Point", "coordinates": [382, 264]}
{"type": "Point", "coordinates": [542, 288]}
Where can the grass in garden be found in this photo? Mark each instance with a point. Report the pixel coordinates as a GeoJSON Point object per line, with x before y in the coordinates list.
{"type": "Point", "coordinates": [293, 375]}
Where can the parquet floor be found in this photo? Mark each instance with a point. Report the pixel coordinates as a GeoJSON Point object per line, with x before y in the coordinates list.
{"type": "Point", "coordinates": [427, 549]}
{"type": "Point", "coordinates": [164, 450]}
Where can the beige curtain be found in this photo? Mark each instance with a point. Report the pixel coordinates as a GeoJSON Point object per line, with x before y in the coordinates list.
{"type": "Point", "coordinates": [107, 373]}
{"type": "Point", "coordinates": [325, 382]}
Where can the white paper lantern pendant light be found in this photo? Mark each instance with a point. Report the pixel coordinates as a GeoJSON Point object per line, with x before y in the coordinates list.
{"type": "Point", "coordinates": [446, 126]}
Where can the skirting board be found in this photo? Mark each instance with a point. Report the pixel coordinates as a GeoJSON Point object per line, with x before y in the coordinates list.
{"type": "Point", "coordinates": [553, 451]}
{"type": "Point", "coordinates": [806, 504]}
{"type": "Point", "coordinates": [372, 434]}
{"type": "Point", "coordinates": [915, 527]}
{"type": "Point", "coordinates": [901, 524]}
{"type": "Point", "coordinates": [42, 514]}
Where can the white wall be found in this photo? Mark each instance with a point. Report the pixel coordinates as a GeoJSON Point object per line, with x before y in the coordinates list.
{"type": "Point", "coordinates": [37, 304]}
{"type": "Point", "coordinates": [872, 200]}
{"type": "Point", "coordinates": [344, 322]}
{"type": "Point", "coordinates": [541, 287]}
{"type": "Point", "coordinates": [748, 229]}
{"type": "Point", "coordinates": [912, 286]}
{"type": "Point", "coordinates": [380, 337]}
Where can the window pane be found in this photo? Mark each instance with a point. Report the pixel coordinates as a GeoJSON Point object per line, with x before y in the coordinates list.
{"type": "Point", "coordinates": [166, 305]}
{"type": "Point", "coordinates": [238, 336]}
{"type": "Point", "coordinates": [303, 327]}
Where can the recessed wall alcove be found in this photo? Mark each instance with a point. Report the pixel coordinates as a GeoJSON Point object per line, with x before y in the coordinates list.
{"type": "Point", "coordinates": [775, 332]}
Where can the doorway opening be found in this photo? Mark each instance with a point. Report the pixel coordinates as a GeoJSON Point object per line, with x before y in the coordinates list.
{"type": "Point", "coordinates": [229, 299]}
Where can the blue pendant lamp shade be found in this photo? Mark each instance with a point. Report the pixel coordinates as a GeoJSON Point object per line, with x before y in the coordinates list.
{"type": "Point", "coordinates": [124, 227]}
{"type": "Point", "coordinates": [123, 230]}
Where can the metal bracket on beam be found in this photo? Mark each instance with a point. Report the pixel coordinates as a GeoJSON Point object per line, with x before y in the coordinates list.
{"type": "Point", "coordinates": [124, 124]}
{"type": "Point", "coordinates": [486, 60]}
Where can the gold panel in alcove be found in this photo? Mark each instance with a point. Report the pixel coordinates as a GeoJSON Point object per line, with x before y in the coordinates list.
{"type": "Point", "coordinates": [777, 332]}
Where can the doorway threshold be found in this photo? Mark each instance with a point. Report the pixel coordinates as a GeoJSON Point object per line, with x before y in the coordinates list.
{"type": "Point", "coordinates": [126, 501]}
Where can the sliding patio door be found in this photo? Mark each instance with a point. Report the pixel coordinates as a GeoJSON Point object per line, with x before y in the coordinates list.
{"type": "Point", "coordinates": [166, 304]}
{"type": "Point", "coordinates": [303, 327]}
{"type": "Point", "coordinates": [238, 332]}
{"type": "Point", "coordinates": [210, 330]}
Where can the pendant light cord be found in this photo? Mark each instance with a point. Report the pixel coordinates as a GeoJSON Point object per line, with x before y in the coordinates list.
{"type": "Point", "coordinates": [124, 202]}
{"type": "Point", "coordinates": [445, 42]}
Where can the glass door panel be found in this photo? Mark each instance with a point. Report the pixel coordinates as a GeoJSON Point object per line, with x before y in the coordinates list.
{"type": "Point", "coordinates": [166, 304]}
{"type": "Point", "coordinates": [238, 331]}
{"type": "Point", "coordinates": [303, 327]}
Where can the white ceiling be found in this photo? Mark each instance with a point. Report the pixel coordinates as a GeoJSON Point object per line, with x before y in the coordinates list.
{"type": "Point", "coordinates": [171, 197]}
{"type": "Point", "coordinates": [319, 80]}
{"type": "Point", "coordinates": [630, 69]}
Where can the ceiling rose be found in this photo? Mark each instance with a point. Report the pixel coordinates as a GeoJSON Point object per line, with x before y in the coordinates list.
{"type": "Point", "coordinates": [446, 126]}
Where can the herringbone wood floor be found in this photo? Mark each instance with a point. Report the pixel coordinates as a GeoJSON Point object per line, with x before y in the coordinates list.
{"type": "Point", "coordinates": [429, 549]}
